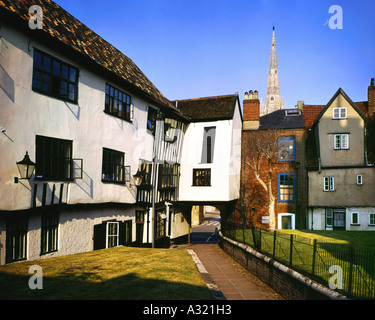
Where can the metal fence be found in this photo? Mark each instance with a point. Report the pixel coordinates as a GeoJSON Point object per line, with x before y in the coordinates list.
{"type": "Point", "coordinates": [344, 268]}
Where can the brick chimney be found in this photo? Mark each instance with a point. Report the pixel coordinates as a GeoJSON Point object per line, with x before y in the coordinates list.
{"type": "Point", "coordinates": [251, 111]}
{"type": "Point", "coordinates": [371, 97]}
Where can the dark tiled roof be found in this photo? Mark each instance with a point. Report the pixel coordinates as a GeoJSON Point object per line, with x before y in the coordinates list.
{"type": "Point", "coordinates": [281, 120]}
{"type": "Point", "coordinates": [209, 108]}
{"type": "Point", "coordinates": [61, 25]}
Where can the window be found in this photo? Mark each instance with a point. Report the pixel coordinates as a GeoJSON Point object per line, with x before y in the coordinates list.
{"type": "Point", "coordinates": [201, 177]}
{"type": "Point", "coordinates": [371, 217]}
{"type": "Point", "coordinates": [151, 119]}
{"type": "Point", "coordinates": [161, 219]}
{"type": "Point", "coordinates": [118, 103]}
{"type": "Point", "coordinates": [50, 224]}
{"type": "Point", "coordinates": [329, 183]}
{"type": "Point", "coordinates": [113, 168]}
{"type": "Point", "coordinates": [112, 234]}
{"type": "Point", "coordinates": [341, 141]}
{"type": "Point", "coordinates": [335, 218]}
{"type": "Point", "coordinates": [54, 77]}
{"type": "Point", "coordinates": [16, 238]}
{"type": "Point", "coordinates": [53, 159]}
{"type": "Point", "coordinates": [359, 179]}
{"type": "Point", "coordinates": [168, 177]}
{"type": "Point", "coordinates": [329, 218]}
{"type": "Point", "coordinates": [355, 219]}
{"type": "Point", "coordinates": [208, 145]}
{"type": "Point", "coordinates": [339, 113]}
{"type": "Point", "coordinates": [286, 149]}
{"type": "Point", "coordinates": [286, 187]}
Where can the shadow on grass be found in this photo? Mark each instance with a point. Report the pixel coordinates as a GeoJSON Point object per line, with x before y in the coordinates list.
{"type": "Point", "coordinates": [89, 286]}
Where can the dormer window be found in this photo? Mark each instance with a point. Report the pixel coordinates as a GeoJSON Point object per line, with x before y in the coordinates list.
{"type": "Point", "coordinates": [339, 113]}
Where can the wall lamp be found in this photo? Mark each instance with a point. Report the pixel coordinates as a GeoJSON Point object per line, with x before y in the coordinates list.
{"type": "Point", "coordinates": [26, 168]}
{"type": "Point", "coordinates": [138, 177]}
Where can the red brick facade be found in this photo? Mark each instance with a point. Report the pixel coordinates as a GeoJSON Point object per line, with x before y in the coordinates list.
{"type": "Point", "coordinates": [254, 198]}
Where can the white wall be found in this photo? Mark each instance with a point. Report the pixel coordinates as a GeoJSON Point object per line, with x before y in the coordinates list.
{"type": "Point", "coordinates": [25, 114]}
{"type": "Point", "coordinates": [225, 169]}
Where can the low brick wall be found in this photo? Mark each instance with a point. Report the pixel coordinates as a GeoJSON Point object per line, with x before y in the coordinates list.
{"type": "Point", "coordinates": [288, 283]}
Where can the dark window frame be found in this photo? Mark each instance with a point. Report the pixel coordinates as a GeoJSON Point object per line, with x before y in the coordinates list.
{"type": "Point", "coordinates": [152, 114]}
{"type": "Point", "coordinates": [118, 103]}
{"type": "Point", "coordinates": [16, 238]}
{"type": "Point", "coordinates": [112, 159]}
{"type": "Point", "coordinates": [49, 232]}
{"type": "Point", "coordinates": [54, 77]}
{"type": "Point", "coordinates": [202, 177]}
{"type": "Point", "coordinates": [54, 159]}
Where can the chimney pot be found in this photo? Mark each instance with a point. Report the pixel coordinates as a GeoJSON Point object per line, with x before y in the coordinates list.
{"type": "Point", "coordinates": [251, 95]}
{"type": "Point", "coordinates": [246, 96]}
{"type": "Point", "coordinates": [255, 94]}
{"type": "Point", "coordinates": [372, 82]}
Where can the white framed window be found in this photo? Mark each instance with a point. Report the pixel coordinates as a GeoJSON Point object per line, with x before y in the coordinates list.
{"type": "Point", "coordinates": [339, 113]}
{"type": "Point", "coordinates": [329, 183]}
{"type": "Point", "coordinates": [359, 179]}
{"type": "Point", "coordinates": [112, 234]}
{"type": "Point", "coordinates": [371, 219]}
{"type": "Point", "coordinates": [355, 218]}
{"type": "Point", "coordinates": [341, 141]}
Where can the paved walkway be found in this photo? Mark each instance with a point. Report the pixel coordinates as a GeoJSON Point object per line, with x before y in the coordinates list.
{"type": "Point", "coordinates": [226, 278]}
{"type": "Point", "coordinates": [229, 277]}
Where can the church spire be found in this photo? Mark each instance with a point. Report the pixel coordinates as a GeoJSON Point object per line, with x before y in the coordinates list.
{"type": "Point", "coordinates": [273, 101]}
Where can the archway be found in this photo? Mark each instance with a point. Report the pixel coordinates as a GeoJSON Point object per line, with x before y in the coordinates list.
{"type": "Point", "coordinates": [205, 224]}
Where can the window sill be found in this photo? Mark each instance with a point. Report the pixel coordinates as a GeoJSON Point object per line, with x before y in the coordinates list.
{"type": "Point", "coordinates": [114, 182]}
{"type": "Point", "coordinates": [48, 252]}
{"type": "Point", "coordinates": [355, 224]}
{"type": "Point", "coordinates": [118, 117]}
{"type": "Point", "coordinates": [41, 179]}
{"type": "Point", "coordinates": [54, 96]}
{"type": "Point", "coordinates": [201, 186]}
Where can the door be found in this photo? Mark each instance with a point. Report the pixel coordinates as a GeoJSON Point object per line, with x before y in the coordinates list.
{"type": "Point", "coordinates": [286, 222]}
{"type": "Point", "coordinates": [338, 219]}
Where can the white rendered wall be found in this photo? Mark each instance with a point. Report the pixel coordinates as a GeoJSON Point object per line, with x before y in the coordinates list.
{"type": "Point", "coordinates": [25, 114]}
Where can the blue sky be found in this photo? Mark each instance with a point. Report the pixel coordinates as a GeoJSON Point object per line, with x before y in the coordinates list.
{"type": "Point", "coordinates": [198, 48]}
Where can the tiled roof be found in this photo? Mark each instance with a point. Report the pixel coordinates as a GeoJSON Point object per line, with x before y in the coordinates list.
{"type": "Point", "coordinates": [61, 25]}
{"type": "Point", "coordinates": [280, 119]}
{"type": "Point", "coordinates": [208, 108]}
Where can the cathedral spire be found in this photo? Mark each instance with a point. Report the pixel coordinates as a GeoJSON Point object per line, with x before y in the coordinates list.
{"type": "Point", "coordinates": [273, 101]}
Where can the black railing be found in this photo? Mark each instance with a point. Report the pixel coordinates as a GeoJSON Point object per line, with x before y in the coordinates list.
{"type": "Point", "coordinates": [344, 268]}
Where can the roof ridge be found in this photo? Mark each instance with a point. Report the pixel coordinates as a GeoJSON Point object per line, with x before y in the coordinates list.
{"type": "Point", "coordinates": [206, 98]}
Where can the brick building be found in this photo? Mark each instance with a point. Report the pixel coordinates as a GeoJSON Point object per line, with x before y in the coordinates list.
{"type": "Point", "coordinates": [272, 146]}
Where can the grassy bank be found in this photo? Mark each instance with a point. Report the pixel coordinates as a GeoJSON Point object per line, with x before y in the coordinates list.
{"type": "Point", "coordinates": [116, 273]}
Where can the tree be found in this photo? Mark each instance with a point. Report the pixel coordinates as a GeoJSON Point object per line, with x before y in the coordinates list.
{"type": "Point", "coordinates": [260, 152]}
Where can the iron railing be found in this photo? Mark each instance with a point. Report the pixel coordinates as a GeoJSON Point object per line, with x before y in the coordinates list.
{"type": "Point", "coordinates": [344, 268]}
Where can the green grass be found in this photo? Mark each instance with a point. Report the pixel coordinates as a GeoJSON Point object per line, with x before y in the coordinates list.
{"type": "Point", "coordinates": [359, 239]}
{"type": "Point", "coordinates": [116, 273]}
{"type": "Point", "coordinates": [333, 248]}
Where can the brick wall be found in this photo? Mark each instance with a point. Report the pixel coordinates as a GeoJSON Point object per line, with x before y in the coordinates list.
{"type": "Point", "coordinates": [253, 197]}
{"type": "Point", "coordinates": [289, 284]}
{"type": "Point", "coordinates": [371, 97]}
{"type": "Point", "coordinates": [251, 110]}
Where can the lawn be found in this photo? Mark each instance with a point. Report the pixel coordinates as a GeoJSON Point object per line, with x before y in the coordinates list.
{"type": "Point", "coordinates": [362, 239]}
{"type": "Point", "coordinates": [116, 273]}
{"type": "Point", "coordinates": [352, 251]}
